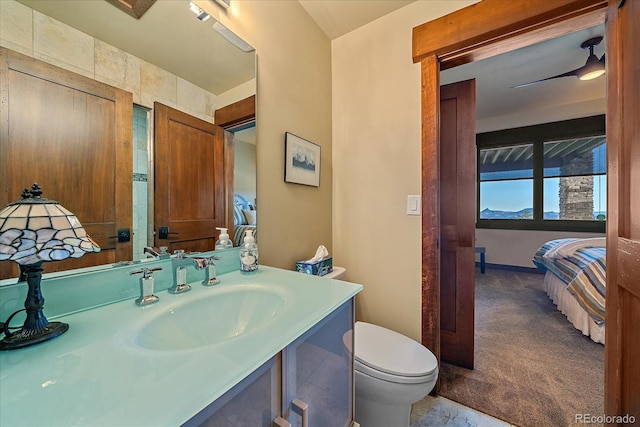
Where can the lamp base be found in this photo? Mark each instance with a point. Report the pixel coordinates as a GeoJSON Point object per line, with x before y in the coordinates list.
{"type": "Point", "coordinates": [16, 340]}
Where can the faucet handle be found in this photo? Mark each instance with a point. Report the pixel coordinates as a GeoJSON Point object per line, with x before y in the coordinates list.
{"type": "Point", "coordinates": [210, 278]}
{"type": "Point", "coordinates": [179, 254]}
{"type": "Point", "coordinates": [146, 272]}
{"type": "Point", "coordinates": [146, 285]}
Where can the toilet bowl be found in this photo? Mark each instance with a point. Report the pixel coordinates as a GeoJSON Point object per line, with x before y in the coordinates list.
{"type": "Point", "coordinates": [337, 273]}
{"type": "Point", "coordinates": [392, 372]}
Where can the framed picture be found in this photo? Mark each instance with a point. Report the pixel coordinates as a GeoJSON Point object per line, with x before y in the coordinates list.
{"type": "Point", "coordinates": [301, 161]}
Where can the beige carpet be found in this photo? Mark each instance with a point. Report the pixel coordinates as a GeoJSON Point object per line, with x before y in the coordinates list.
{"type": "Point", "coordinates": [532, 367]}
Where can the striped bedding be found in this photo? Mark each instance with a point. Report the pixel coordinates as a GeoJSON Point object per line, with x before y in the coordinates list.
{"type": "Point", "coordinates": [239, 233]}
{"type": "Point", "coordinates": [240, 222]}
{"type": "Point", "coordinates": [581, 265]}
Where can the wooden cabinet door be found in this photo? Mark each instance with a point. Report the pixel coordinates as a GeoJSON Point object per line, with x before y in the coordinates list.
{"type": "Point", "coordinates": [72, 135]}
{"type": "Point", "coordinates": [457, 222]}
{"type": "Point", "coordinates": [189, 199]}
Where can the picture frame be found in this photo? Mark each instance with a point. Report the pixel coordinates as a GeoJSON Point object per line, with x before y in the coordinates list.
{"type": "Point", "coordinates": [301, 161]}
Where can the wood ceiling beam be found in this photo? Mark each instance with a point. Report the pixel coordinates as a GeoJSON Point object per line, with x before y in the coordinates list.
{"type": "Point", "coordinates": [135, 8]}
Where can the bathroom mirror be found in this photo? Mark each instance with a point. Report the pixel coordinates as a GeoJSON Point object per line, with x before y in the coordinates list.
{"type": "Point", "coordinates": [170, 37]}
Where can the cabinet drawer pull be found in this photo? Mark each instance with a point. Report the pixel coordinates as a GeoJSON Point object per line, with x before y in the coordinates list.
{"type": "Point", "coordinates": [281, 422]}
{"type": "Point", "coordinates": [301, 409]}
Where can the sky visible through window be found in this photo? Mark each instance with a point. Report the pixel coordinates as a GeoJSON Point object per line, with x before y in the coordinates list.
{"type": "Point", "coordinates": [515, 195]}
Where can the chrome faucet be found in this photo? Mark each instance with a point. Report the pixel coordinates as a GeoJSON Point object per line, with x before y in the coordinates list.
{"type": "Point", "coordinates": [180, 263]}
{"type": "Point", "coordinates": [157, 253]}
{"type": "Point", "coordinates": [210, 278]}
{"type": "Point", "coordinates": [146, 285]}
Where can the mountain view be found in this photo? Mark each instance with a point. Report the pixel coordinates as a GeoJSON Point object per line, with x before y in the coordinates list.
{"type": "Point", "coordinates": [527, 213]}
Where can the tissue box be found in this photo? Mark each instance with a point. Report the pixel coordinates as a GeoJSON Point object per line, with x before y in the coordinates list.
{"type": "Point", "coordinates": [318, 268]}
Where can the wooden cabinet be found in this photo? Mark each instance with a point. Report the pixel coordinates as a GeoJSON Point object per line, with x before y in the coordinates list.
{"type": "Point", "coordinates": [308, 384]}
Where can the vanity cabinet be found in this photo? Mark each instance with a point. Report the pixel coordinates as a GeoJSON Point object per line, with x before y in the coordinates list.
{"type": "Point", "coordinates": [308, 384]}
{"type": "Point", "coordinates": [318, 374]}
{"type": "Point", "coordinates": [255, 401]}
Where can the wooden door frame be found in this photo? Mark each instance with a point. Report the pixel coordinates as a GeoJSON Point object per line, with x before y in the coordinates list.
{"type": "Point", "coordinates": [482, 30]}
{"type": "Point", "coordinates": [229, 117]}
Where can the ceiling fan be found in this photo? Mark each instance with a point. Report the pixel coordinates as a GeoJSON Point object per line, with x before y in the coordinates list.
{"type": "Point", "coordinates": [593, 68]}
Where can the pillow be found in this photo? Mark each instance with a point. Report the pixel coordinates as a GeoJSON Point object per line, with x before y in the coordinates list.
{"type": "Point", "coordinates": [238, 216]}
{"type": "Point", "coordinates": [250, 216]}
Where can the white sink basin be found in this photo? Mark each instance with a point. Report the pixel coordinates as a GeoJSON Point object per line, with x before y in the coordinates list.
{"type": "Point", "coordinates": [223, 314]}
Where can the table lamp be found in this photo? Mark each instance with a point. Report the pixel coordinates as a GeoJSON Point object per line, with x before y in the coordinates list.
{"type": "Point", "coordinates": [32, 231]}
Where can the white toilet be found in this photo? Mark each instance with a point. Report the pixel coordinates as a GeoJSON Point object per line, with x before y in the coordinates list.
{"type": "Point", "coordinates": [392, 372]}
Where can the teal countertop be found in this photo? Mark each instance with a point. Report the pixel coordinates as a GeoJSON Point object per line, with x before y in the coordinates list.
{"type": "Point", "coordinates": [97, 375]}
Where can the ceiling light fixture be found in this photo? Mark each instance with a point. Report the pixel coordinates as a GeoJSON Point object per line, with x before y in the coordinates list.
{"type": "Point", "coordinates": [229, 35]}
{"type": "Point", "coordinates": [198, 11]}
{"type": "Point", "coordinates": [232, 38]}
{"type": "Point", "coordinates": [224, 3]}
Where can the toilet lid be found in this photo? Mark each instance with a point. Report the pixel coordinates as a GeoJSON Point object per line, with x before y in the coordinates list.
{"type": "Point", "coordinates": [389, 352]}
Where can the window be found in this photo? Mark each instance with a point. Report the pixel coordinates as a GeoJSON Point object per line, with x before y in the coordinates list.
{"type": "Point", "coordinates": [506, 182]}
{"type": "Point", "coordinates": [544, 177]}
{"type": "Point", "coordinates": [575, 179]}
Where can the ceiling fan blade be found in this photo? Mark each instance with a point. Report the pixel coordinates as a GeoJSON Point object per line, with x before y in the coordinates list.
{"type": "Point", "coordinates": [567, 74]}
{"type": "Point", "coordinates": [591, 69]}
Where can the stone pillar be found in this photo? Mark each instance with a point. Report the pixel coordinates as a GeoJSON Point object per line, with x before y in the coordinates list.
{"type": "Point", "coordinates": [576, 192]}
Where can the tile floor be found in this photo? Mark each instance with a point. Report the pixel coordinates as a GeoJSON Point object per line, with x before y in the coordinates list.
{"type": "Point", "coordinates": [442, 412]}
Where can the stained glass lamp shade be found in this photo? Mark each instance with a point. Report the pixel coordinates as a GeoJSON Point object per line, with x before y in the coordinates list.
{"type": "Point", "coordinates": [32, 231]}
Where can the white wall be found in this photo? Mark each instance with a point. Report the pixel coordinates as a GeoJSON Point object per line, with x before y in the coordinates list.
{"type": "Point", "coordinates": [516, 247]}
{"type": "Point", "coordinates": [550, 113]}
{"type": "Point", "coordinates": [244, 165]}
{"type": "Point", "coordinates": [376, 164]}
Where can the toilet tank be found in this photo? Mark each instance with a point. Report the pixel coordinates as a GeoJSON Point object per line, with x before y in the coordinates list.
{"type": "Point", "coordinates": [337, 273]}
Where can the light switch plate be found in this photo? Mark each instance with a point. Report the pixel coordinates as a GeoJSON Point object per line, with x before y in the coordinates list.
{"type": "Point", "coordinates": [414, 204]}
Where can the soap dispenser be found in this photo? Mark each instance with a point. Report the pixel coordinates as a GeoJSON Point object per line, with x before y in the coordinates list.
{"type": "Point", "coordinates": [249, 254]}
{"type": "Point", "coordinates": [223, 240]}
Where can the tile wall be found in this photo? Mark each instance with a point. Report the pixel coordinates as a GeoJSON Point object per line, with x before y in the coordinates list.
{"type": "Point", "coordinates": [32, 33]}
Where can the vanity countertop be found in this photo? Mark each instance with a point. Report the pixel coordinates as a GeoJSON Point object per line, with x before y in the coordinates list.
{"type": "Point", "coordinates": [97, 374]}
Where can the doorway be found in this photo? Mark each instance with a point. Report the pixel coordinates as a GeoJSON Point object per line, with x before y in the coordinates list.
{"type": "Point", "coordinates": [483, 30]}
{"type": "Point", "coordinates": [501, 108]}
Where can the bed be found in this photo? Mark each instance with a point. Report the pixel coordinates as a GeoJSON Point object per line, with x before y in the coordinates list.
{"type": "Point", "coordinates": [575, 280]}
{"type": "Point", "coordinates": [244, 218]}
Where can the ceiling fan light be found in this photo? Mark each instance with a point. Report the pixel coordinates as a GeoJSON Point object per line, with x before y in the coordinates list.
{"type": "Point", "coordinates": [590, 75]}
{"type": "Point", "coordinates": [592, 69]}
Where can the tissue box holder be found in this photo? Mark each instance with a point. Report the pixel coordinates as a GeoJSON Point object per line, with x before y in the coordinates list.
{"type": "Point", "coordinates": [318, 268]}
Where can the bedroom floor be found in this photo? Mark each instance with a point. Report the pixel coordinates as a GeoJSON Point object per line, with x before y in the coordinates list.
{"type": "Point", "coordinates": [532, 367]}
